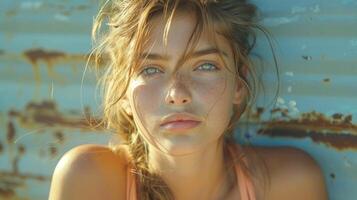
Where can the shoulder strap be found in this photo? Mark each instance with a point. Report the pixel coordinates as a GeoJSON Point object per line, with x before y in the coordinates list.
{"type": "Point", "coordinates": [130, 185]}
{"type": "Point", "coordinates": [245, 184]}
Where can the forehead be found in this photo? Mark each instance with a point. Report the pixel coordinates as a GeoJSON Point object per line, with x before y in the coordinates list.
{"type": "Point", "coordinates": [181, 30]}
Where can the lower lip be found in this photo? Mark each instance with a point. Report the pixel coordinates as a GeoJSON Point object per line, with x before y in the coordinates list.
{"type": "Point", "coordinates": [181, 125]}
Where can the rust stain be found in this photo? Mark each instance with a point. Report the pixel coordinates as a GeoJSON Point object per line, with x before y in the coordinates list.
{"type": "Point", "coordinates": [11, 13]}
{"type": "Point", "coordinates": [254, 114]}
{"type": "Point", "coordinates": [10, 132]}
{"type": "Point", "coordinates": [49, 57]}
{"type": "Point", "coordinates": [332, 175]}
{"type": "Point", "coordinates": [260, 110]}
{"type": "Point", "coordinates": [59, 136]}
{"type": "Point", "coordinates": [326, 80]}
{"type": "Point", "coordinates": [15, 166]}
{"type": "Point", "coordinates": [22, 176]}
{"type": "Point", "coordinates": [7, 192]}
{"type": "Point", "coordinates": [53, 151]}
{"type": "Point", "coordinates": [337, 116]}
{"type": "Point", "coordinates": [35, 55]}
{"type": "Point", "coordinates": [82, 7]}
{"type": "Point", "coordinates": [336, 131]}
{"type": "Point", "coordinates": [46, 114]}
{"type": "Point", "coordinates": [10, 181]}
{"type": "Point", "coordinates": [1, 147]}
{"type": "Point", "coordinates": [257, 113]}
{"type": "Point", "coordinates": [21, 149]}
{"type": "Point", "coordinates": [283, 111]}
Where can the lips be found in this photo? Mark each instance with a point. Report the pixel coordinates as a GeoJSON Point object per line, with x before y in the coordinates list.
{"type": "Point", "coordinates": [180, 122]}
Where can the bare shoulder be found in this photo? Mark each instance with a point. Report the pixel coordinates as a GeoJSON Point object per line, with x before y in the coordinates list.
{"type": "Point", "coordinates": [294, 174]}
{"type": "Point", "coordinates": [89, 172]}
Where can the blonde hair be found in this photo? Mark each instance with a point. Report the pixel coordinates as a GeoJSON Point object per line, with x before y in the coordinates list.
{"type": "Point", "coordinates": [116, 51]}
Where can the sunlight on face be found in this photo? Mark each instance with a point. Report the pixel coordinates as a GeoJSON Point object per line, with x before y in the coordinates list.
{"type": "Point", "coordinates": [201, 86]}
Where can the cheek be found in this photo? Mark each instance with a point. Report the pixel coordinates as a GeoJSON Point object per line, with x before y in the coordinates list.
{"type": "Point", "coordinates": [212, 92]}
{"type": "Point", "coordinates": [145, 101]}
{"type": "Point", "coordinates": [217, 97]}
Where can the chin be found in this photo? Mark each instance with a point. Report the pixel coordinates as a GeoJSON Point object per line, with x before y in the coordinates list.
{"type": "Point", "coordinates": [180, 145]}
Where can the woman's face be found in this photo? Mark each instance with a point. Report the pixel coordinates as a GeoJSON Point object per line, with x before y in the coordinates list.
{"type": "Point", "coordinates": [201, 87]}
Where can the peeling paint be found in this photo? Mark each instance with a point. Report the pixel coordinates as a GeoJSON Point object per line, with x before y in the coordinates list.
{"type": "Point", "coordinates": [298, 9]}
{"type": "Point", "coordinates": [292, 103]}
{"type": "Point", "coordinates": [302, 9]}
{"type": "Point", "coordinates": [61, 17]}
{"type": "Point", "coordinates": [353, 43]}
{"type": "Point", "coordinates": [289, 74]}
{"type": "Point", "coordinates": [347, 162]}
{"type": "Point", "coordinates": [316, 9]}
{"type": "Point", "coordinates": [305, 57]}
{"type": "Point", "coordinates": [280, 101]}
{"type": "Point", "coordinates": [31, 5]}
{"type": "Point", "coordinates": [277, 21]}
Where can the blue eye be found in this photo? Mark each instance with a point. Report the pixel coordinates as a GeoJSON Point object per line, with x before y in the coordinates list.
{"type": "Point", "coordinates": [148, 71]}
{"type": "Point", "coordinates": [208, 67]}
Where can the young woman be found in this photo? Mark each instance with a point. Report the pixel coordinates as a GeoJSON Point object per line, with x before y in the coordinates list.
{"type": "Point", "coordinates": [176, 81]}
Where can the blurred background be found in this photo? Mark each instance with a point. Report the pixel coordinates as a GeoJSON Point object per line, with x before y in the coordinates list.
{"type": "Point", "coordinates": [46, 94]}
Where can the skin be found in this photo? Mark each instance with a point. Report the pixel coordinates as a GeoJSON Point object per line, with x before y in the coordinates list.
{"type": "Point", "coordinates": [182, 158]}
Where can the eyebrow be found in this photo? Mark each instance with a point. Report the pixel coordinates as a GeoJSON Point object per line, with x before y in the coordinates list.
{"type": "Point", "coordinates": [155, 56]}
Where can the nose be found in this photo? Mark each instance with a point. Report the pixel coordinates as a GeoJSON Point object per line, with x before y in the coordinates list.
{"type": "Point", "coordinates": [178, 93]}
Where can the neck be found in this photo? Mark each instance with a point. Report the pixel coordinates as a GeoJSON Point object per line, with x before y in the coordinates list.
{"type": "Point", "coordinates": [192, 176]}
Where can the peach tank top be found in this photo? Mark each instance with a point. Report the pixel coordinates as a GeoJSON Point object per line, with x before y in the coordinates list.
{"type": "Point", "coordinates": [244, 182]}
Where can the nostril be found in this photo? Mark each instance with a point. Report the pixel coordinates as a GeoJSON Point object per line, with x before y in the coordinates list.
{"type": "Point", "coordinates": [173, 102]}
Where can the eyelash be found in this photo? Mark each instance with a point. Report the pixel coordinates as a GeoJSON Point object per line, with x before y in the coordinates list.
{"type": "Point", "coordinates": [146, 68]}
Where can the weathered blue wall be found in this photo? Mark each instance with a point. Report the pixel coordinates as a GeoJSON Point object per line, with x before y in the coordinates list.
{"type": "Point", "coordinates": [43, 46]}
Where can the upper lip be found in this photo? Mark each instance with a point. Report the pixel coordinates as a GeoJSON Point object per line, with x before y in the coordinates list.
{"type": "Point", "coordinates": [179, 117]}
